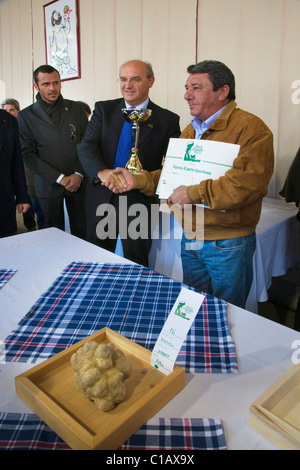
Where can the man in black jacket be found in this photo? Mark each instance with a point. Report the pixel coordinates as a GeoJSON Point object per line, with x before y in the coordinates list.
{"type": "Point", "coordinates": [291, 187]}
{"type": "Point", "coordinates": [97, 153]}
{"type": "Point", "coordinates": [50, 129]}
{"type": "Point", "coordinates": [13, 189]}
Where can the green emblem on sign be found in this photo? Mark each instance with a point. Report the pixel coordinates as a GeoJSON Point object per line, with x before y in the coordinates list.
{"type": "Point", "coordinates": [193, 152]}
{"type": "Point", "coordinates": [183, 311]}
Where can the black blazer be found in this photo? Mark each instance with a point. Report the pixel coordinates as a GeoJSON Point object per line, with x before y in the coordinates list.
{"type": "Point", "coordinates": [98, 148]}
{"type": "Point", "coordinates": [50, 151]}
{"type": "Point", "coordinates": [291, 188]}
{"type": "Point", "coordinates": [13, 189]}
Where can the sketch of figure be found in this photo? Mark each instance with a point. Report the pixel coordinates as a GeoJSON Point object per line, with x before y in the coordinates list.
{"type": "Point", "coordinates": [59, 42]}
{"type": "Point", "coordinates": [188, 154]}
{"type": "Point", "coordinates": [67, 13]}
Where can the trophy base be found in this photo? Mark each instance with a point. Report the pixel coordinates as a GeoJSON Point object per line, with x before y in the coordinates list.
{"type": "Point", "coordinates": [134, 165]}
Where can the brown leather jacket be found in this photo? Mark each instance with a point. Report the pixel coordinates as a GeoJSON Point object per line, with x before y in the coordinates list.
{"type": "Point", "coordinates": [235, 199]}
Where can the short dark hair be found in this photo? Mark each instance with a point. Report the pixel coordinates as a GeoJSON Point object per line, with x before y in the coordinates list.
{"type": "Point", "coordinates": [219, 75]}
{"type": "Point", "coordinates": [13, 102]}
{"type": "Point", "coordinates": [43, 69]}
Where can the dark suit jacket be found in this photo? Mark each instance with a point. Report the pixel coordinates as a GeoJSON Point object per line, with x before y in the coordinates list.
{"type": "Point", "coordinates": [98, 148]}
{"type": "Point", "coordinates": [13, 188]}
{"type": "Point", "coordinates": [49, 151]}
{"type": "Point", "coordinates": [291, 188]}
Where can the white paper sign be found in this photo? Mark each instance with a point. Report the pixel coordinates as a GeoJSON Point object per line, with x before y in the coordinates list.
{"type": "Point", "coordinates": [175, 330]}
{"type": "Point", "coordinates": [190, 161]}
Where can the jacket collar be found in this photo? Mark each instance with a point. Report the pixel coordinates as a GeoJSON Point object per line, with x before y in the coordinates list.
{"type": "Point", "coordinates": [41, 112]}
{"type": "Point", "coordinates": [221, 122]}
{"type": "Point", "coordinates": [121, 104]}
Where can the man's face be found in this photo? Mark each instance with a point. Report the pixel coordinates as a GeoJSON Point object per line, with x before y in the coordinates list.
{"type": "Point", "coordinates": [11, 109]}
{"type": "Point", "coordinates": [134, 84]}
{"type": "Point", "coordinates": [202, 100]}
{"type": "Point", "coordinates": [49, 86]}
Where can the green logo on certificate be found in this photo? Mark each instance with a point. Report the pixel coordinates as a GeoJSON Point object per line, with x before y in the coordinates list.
{"type": "Point", "coordinates": [193, 152]}
{"type": "Point", "coordinates": [183, 311]}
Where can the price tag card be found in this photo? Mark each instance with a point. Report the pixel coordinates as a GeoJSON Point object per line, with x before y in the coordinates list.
{"type": "Point", "coordinates": [175, 330]}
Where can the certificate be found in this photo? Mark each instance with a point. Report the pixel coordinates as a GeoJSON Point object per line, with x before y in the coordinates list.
{"type": "Point", "coordinates": [190, 161]}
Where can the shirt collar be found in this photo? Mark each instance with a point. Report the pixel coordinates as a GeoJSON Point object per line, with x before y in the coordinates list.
{"type": "Point", "coordinates": [202, 126]}
{"type": "Point", "coordinates": [140, 106]}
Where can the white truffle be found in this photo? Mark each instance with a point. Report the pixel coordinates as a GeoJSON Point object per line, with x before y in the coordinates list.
{"type": "Point", "coordinates": [99, 373]}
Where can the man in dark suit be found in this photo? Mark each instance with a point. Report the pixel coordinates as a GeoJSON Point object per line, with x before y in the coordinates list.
{"type": "Point", "coordinates": [13, 189]}
{"type": "Point", "coordinates": [98, 154]}
{"type": "Point", "coordinates": [50, 129]}
{"type": "Point", "coordinates": [12, 106]}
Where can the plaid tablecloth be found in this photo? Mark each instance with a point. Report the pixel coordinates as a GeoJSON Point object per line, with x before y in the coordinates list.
{"type": "Point", "coordinates": [5, 275]}
{"type": "Point", "coordinates": [19, 431]}
{"type": "Point", "coordinates": [131, 300]}
{"type": "Point", "coordinates": [28, 431]}
{"type": "Point", "coordinates": [178, 433]}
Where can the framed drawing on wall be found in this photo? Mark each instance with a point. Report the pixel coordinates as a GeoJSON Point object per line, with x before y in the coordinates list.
{"type": "Point", "coordinates": [62, 37]}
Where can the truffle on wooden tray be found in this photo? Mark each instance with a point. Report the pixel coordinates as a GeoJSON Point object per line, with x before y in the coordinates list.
{"type": "Point", "coordinates": [99, 373]}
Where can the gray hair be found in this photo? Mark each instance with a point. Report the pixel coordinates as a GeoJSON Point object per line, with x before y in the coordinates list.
{"type": "Point", "coordinates": [13, 102]}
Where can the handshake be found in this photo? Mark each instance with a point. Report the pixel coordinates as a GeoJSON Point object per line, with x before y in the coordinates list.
{"type": "Point", "coordinates": [118, 180]}
{"type": "Point", "coordinates": [121, 180]}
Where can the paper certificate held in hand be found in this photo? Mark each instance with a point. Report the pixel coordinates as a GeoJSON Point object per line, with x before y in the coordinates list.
{"type": "Point", "coordinates": [190, 161]}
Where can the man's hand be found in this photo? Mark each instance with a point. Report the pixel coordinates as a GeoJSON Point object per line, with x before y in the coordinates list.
{"type": "Point", "coordinates": [71, 183]}
{"type": "Point", "coordinates": [110, 179]}
{"type": "Point", "coordinates": [22, 208]}
{"type": "Point", "coordinates": [118, 180]}
{"type": "Point", "coordinates": [179, 197]}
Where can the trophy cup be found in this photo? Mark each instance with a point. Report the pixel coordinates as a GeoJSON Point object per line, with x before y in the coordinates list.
{"type": "Point", "coordinates": [136, 116]}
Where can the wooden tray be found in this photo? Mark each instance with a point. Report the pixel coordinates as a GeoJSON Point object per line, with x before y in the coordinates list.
{"type": "Point", "coordinates": [49, 390]}
{"type": "Point", "coordinates": [276, 413]}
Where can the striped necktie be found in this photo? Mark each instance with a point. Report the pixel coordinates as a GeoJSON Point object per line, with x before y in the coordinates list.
{"type": "Point", "coordinates": [124, 146]}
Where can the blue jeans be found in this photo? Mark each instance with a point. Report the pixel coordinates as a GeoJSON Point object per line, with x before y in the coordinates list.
{"type": "Point", "coordinates": [222, 268]}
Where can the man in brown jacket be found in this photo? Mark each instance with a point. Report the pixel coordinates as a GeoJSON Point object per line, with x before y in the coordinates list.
{"type": "Point", "coordinates": [221, 262]}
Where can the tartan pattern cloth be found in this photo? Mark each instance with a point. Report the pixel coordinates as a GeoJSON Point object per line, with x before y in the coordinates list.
{"type": "Point", "coordinates": [131, 300]}
{"type": "Point", "coordinates": [178, 434]}
{"type": "Point", "coordinates": [5, 275]}
{"type": "Point", "coordinates": [20, 431]}
{"type": "Point", "coordinates": [28, 432]}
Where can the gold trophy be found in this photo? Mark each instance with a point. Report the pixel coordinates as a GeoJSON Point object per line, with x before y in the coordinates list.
{"type": "Point", "coordinates": [136, 116]}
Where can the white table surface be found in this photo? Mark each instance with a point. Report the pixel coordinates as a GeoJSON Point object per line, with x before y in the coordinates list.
{"type": "Point", "coordinates": [277, 250]}
{"type": "Point", "coordinates": [264, 348]}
